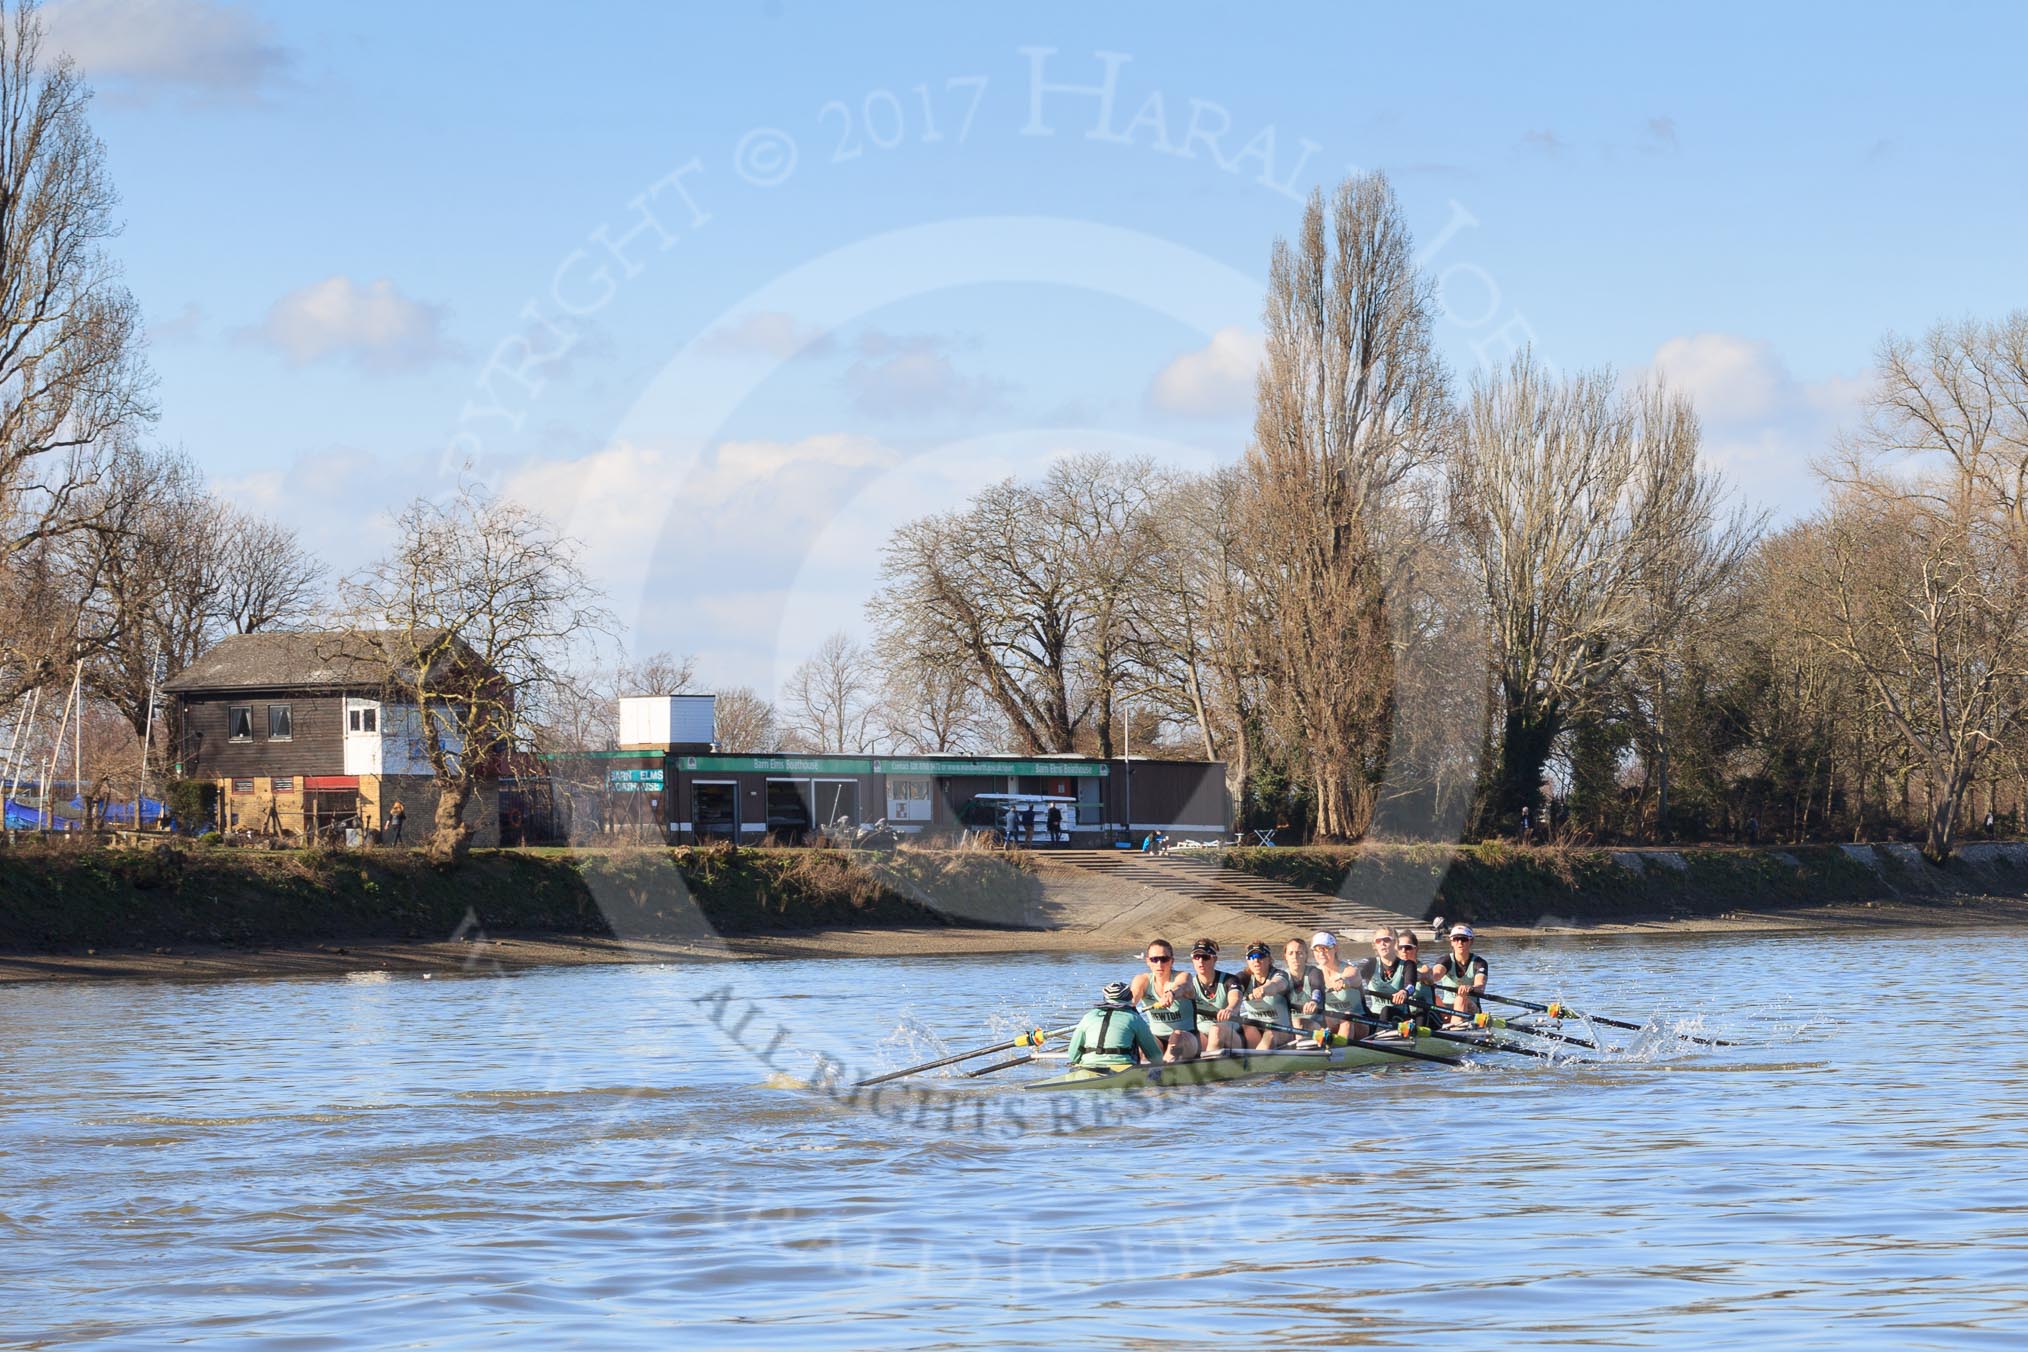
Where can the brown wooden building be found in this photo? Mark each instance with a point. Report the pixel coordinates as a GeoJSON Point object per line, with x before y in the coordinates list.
{"type": "Point", "coordinates": [298, 736]}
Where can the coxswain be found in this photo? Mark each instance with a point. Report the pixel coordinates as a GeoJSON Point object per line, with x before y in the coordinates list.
{"type": "Point", "coordinates": [1460, 977]}
{"type": "Point", "coordinates": [1163, 995]}
{"type": "Point", "coordinates": [1264, 1000]}
{"type": "Point", "coordinates": [1306, 986]}
{"type": "Point", "coordinates": [1216, 995]}
{"type": "Point", "coordinates": [1387, 983]}
{"type": "Point", "coordinates": [1112, 1034]}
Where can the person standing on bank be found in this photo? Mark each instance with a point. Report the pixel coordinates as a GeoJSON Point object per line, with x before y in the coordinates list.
{"type": "Point", "coordinates": [396, 815]}
{"type": "Point", "coordinates": [1055, 823]}
{"type": "Point", "coordinates": [1028, 823]}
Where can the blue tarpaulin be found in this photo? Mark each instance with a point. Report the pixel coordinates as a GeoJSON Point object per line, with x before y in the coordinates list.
{"type": "Point", "coordinates": [122, 809]}
{"type": "Point", "coordinates": [22, 818]}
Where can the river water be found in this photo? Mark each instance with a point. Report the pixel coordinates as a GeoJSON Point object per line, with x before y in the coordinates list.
{"type": "Point", "coordinates": [621, 1156]}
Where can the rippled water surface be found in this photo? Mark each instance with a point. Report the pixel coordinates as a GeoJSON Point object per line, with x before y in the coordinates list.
{"type": "Point", "coordinates": [620, 1156]}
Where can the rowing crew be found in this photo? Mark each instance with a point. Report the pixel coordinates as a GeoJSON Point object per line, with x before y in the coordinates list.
{"type": "Point", "coordinates": [1167, 1015]}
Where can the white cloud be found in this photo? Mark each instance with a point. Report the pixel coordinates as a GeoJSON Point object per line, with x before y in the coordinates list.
{"type": "Point", "coordinates": [184, 326]}
{"type": "Point", "coordinates": [1728, 377]}
{"type": "Point", "coordinates": [1762, 426]}
{"type": "Point", "coordinates": [908, 376]}
{"type": "Point", "coordinates": [374, 326]}
{"type": "Point", "coordinates": [1213, 381]}
{"type": "Point", "coordinates": [771, 333]}
{"type": "Point", "coordinates": [189, 44]}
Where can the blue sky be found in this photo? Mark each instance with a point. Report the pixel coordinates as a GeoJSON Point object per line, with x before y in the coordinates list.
{"type": "Point", "coordinates": [368, 238]}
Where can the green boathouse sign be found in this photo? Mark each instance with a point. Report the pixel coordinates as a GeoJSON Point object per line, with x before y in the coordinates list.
{"type": "Point", "coordinates": [883, 765]}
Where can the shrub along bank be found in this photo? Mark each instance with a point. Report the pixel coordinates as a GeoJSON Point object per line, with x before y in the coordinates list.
{"type": "Point", "coordinates": [52, 899]}
{"type": "Point", "coordinates": [1498, 883]}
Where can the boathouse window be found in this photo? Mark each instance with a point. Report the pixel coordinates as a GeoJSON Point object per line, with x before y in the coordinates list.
{"type": "Point", "coordinates": [362, 720]}
{"type": "Point", "coordinates": [239, 723]}
{"type": "Point", "coordinates": [282, 784]}
{"type": "Point", "coordinates": [280, 728]}
{"type": "Point", "coordinates": [242, 786]}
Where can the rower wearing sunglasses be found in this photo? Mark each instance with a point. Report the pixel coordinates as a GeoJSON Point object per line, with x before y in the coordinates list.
{"type": "Point", "coordinates": [1409, 948]}
{"type": "Point", "coordinates": [1216, 995]}
{"type": "Point", "coordinates": [1163, 995]}
{"type": "Point", "coordinates": [1388, 984]}
{"type": "Point", "coordinates": [1264, 999]}
{"type": "Point", "coordinates": [1460, 977]}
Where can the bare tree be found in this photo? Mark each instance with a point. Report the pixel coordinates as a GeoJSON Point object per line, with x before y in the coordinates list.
{"type": "Point", "coordinates": [1353, 413]}
{"type": "Point", "coordinates": [1025, 593]}
{"type": "Point", "coordinates": [73, 382]}
{"type": "Point", "coordinates": [661, 673]}
{"type": "Point", "coordinates": [928, 706]}
{"type": "Point", "coordinates": [745, 723]}
{"type": "Point", "coordinates": [832, 699]}
{"type": "Point", "coordinates": [1582, 507]}
{"type": "Point", "coordinates": [1961, 397]}
{"type": "Point", "coordinates": [1929, 604]}
{"type": "Point", "coordinates": [266, 579]}
{"type": "Point", "coordinates": [471, 620]}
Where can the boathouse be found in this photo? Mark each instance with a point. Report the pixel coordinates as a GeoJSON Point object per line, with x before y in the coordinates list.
{"type": "Point", "coordinates": [674, 777]}
{"type": "Point", "coordinates": [299, 732]}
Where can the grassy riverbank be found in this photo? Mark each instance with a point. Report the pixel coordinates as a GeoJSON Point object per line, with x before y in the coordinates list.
{"type": "Point", "coordinates": [57, 899]}
{"type": "Point", "coordinates": [1510, 885]}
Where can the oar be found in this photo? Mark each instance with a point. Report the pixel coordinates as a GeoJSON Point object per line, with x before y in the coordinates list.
{"type": "Point", "coordinates": [1483, 1020]}
{"type": "Point", "coordinates": [1558, 1010]}
{"type": "Point", "coordinates": [1034, 1038]}
{"type": "Point", "coordinates": [1354, 1042]}
{"type": "Point", "coordinates": [1000, 1065]}
{"type": "Point", "coordinates": [1417, 1030]}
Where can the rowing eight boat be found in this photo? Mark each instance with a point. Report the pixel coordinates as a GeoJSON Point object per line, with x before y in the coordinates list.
{"type": "Point", "coordinates": [1251, 1065]}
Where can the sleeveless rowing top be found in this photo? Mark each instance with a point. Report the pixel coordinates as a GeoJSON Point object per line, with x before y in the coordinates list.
{"type": "Point", "coordinates": [1345, 1002]}
{"type": "Point", "coordinates": [1304, 986]}
{"type": "Point", "coordinates": [1179, 1015]}
{"type": "Point", "coordinates": [1274, 1009]}
{"type": "Point", "coordinates": [1381, 984]}
{"type": "Point", "coordinates": [1450, 975]}
{"type": "Point", "coordinates": [1209, 1002]}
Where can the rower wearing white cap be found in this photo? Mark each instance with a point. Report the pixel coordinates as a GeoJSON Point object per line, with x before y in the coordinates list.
{"type": "Point", "coordinates": [1388, 983]}
{"type": "Point", "coordinates": [1341, 985]}
{"type": "Point", "coordinates": [1306, 986]}
{"type": "Point", "coordinates": [1113, 1034]}
{"type": "Point", "coordinates": [1461, 976]}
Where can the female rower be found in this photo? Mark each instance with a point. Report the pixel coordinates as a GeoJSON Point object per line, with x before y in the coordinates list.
{"type": "Point", "coordinates": [1216, 996]}
{"type": "Point", "coordinates": [1306, 986]}
{"type": "Point", "coordinates": [1264, 1000]}
{"type": "Point", "coordinates": [1341, 987]}
{"type": "Point", "coordinates": [1163, 995]}
{"type": "Point", "coordinates": [1461, 976]}
{"type": "Point", "coordinates": [1409, 949]}
{"type": "Point", "coordinates": [1387, 982]}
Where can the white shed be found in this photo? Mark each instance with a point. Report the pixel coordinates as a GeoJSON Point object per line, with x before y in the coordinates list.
{"type": "Point", "coordinates": [664, 721]}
